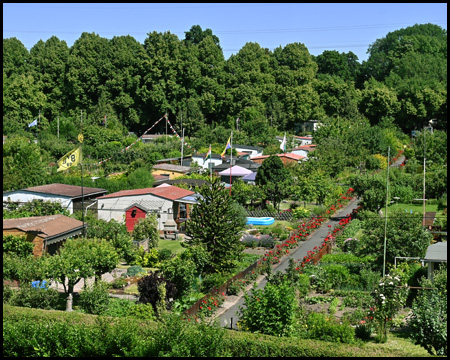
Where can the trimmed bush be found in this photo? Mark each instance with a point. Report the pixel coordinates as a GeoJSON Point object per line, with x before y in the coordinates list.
{"type": "Point", "coordinates": [94, 299]}
{"type": "Point", "coordinates": [321, 327]}
{"type": "Point", "coordinates": [134, 270]}
{"type": "Point", "coordinates": [39, 298]}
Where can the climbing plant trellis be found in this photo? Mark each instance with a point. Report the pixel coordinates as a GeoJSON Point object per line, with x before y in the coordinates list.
{"type": "Point", "coordinates": [140, 138]}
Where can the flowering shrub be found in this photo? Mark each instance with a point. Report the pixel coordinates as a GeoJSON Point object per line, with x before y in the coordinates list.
{"type": "Point", "coordinates": [389, 296]}
{"type": "Point", "coordinates": [300, 213]}
{"type": "Point", "coordinates": [210, 305]}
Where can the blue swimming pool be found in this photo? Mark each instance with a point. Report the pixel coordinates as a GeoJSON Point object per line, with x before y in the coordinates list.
{"type": "Point", "coordinates": [260, 220]}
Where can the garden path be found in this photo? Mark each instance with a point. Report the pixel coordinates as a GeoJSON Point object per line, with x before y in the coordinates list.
{"type": "Point", "coordinates": [228, 314]}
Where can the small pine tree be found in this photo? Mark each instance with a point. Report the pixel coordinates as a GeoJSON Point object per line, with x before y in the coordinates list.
{"type": "Point", "coordinates": [214, 225]}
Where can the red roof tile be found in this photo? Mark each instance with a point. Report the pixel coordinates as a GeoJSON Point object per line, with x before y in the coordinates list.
{"type": "Point", "coordinates": [167, 192]}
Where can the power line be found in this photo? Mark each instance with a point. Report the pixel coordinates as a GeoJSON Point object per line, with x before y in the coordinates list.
{"type": "Point", "coordinates": [240, 32]}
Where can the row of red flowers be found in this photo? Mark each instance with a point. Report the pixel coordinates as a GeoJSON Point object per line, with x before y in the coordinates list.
{"type": "Point", "coordinates": [303, 231]}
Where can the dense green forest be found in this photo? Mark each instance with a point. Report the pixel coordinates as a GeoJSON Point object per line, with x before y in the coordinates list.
{"type": "Point", "coordinates": [368, 106]}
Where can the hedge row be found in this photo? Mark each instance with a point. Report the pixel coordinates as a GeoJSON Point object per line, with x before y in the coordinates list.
{"type": "Point", "coordinates": [34, 332]}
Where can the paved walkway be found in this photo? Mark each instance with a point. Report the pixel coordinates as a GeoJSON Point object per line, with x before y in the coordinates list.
{"type": "Point", "coordinates": [228, 314]}
{"type": "Point", "coordinates": [108, 277]}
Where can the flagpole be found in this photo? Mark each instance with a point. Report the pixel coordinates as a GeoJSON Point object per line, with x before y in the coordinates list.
{"type": "Point", "coordinates": [231, 158]}
{"type": "Point", "coordinates": [210, 167]}
{"type": "Point", "coordinates": [182, 145]}
{"type": "Point", "coordinates": [385, 215]}
{"type": "Point", "coordinates": [82, 182]}
{"type": "Point", "coordinates": [39, 124]}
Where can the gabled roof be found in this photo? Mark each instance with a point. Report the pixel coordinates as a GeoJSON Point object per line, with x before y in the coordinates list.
{"type": "Point", "coordinates": [44, 226]}
{"type": "Point", "coordinates": [167, 192]}
{"type": "Point", "coordinates": [72, 191]}
{"type": "Point", "coordinates": [146, 205]}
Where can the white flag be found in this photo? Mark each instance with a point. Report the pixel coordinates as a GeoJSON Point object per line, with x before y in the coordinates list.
{"type": "Point", "coordinates": [283, 143]}
{"type": "Point", "coordinates": [33, 123]}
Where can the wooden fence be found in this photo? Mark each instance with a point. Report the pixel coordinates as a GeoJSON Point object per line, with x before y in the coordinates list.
{"type": "Point", "coordinates": [285, 215]}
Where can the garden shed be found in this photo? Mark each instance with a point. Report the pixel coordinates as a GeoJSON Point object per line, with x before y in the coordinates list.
{"type": "Point", "coordinates": [436, 254]}
{"type": "Point", "coordinates": [71, 197]}
{"type": "Point", "coordinates": [47, 233]}
{"type": "Point", "coordinates": [167, 201]}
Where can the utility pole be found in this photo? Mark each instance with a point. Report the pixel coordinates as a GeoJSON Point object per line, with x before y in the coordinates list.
{"type": "Point", "coordinates": [231, 158]}
{"type": "Point", "coordinates": [82, 182]}
{"type": "Point", "coordinates": [424, 154]}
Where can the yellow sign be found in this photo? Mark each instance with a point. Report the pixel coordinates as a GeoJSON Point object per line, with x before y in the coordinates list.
{"type": "Point", "coordinates": [70, 159]}
{"type": "Point", "coordinates": [80, 138]}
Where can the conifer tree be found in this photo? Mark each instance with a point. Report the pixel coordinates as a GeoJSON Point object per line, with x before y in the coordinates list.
{"type": "Point", "coordinates": [213, 225]}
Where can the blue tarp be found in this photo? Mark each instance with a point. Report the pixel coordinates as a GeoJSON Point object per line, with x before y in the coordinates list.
{"type": "Point", "coordinates": [43, 284]}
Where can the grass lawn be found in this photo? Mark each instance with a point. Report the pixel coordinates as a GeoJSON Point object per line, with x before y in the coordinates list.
{"type": "Point", "coordinates": [416, 208]}
{"type": "Point", "coordinates": [172, 245]}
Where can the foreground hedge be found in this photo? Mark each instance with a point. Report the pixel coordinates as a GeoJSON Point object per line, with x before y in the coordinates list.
{"type": "Point", "coordinates": [34, 332]}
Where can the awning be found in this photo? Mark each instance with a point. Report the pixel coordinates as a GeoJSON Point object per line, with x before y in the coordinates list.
{"type": "Point", "coordinates": [236, 171]}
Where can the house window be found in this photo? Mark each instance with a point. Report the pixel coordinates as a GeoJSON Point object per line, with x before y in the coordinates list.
{"type": "Point", "coordinates": [183, 212]}
{"type": "Point", "coordinates": [133, 213]}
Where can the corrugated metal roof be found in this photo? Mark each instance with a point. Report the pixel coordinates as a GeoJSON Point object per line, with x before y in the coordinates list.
{"type": "Point", "coordinates": [64, 190]}
{"type": "Point", "coordinates": [437, 252]}
{"type": "Point", "coordinates": [44, 226]}
{"type": "Point", "coordinates": [147, 205]}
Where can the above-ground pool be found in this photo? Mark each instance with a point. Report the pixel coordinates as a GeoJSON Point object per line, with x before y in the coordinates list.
{"type": "Point", "coordinates": [260, 220]}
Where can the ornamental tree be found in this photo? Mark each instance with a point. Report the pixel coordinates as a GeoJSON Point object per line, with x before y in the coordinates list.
{"type": "Point", "coordinates": [390, 296]}
{"type": "Point", "coordinates": [405, 236]}
{"type": "Point", "coordinates": [79, 259]}
{"type": "Point", "coordinates": [213, 224]}
{"type": "Point", "coordinates": [274, 178]}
